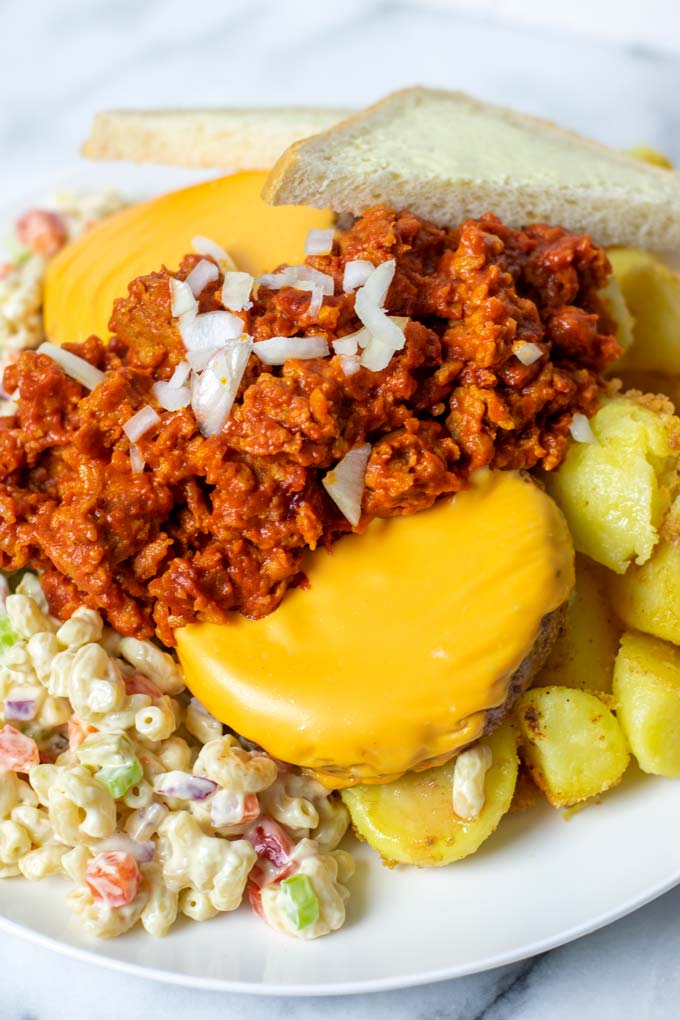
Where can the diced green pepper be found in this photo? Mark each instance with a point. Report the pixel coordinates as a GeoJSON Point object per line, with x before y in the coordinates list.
{"type": "Point", "coordinates": [8, 635]}
{"type": "Point", "coordinates": [300, 902]}
{"type": "Point", "coordinates": [119, 779]}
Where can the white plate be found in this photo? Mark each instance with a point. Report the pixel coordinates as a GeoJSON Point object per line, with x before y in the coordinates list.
{"type": "Point", "coordinates": [538, 882]}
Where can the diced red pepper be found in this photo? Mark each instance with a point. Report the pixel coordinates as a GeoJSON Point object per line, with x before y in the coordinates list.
{"type": "Point", "coordinates": [251, 808]}
{"type": "Point", "coordinates": [255, 897]}
{"type": "Point", "coordinates": [77, 731]}
{"type": "Point", "coordinates": [273, 846]}
{"type": "Point", "coordinates": [113, 877]}
{"type": "Point", "coordinates": [18, 753]}
{"type": "Point", "coordinates": [139, 683]}
{"type": "Point", "coordinates": [41, 231]}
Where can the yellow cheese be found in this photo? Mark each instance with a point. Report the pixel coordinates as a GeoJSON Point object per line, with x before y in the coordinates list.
{"type": "Point", "coordinates": [408, 634]}
{"type": "Point", "coordinates": [87, 275]}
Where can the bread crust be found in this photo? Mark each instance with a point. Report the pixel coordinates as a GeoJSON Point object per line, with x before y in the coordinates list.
{"type": "Point", "coordinates": [237, 139]}
{"type": "Point", "coordinates": [622, 201]}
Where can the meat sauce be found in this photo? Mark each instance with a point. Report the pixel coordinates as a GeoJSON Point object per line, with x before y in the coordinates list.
{"type": "Point", "coordinates": [222, 523]}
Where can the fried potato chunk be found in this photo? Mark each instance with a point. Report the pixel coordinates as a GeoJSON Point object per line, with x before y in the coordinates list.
{"type": "Point", "coordinates": [652, 382]}
{"type": "Point", "coordinates": [652, 295]}
{"type": "Point", "coordinates": [616, 491]}
{"type": "Point", "coordinates": [584, 653]}
{"type": "Point", "coordinates": [571, 743]}
{"type": "Point", "coordinates": [412, 821]}
{"type": "Point", "coordinates": [647, 690]}
{"type": "Point", "coordinates": [647, 598]}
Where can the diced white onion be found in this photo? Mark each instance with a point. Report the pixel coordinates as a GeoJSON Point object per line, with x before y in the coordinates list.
{"type": "Point", "coordinates": [236, 291]}
{"type": "Point", "coordinates": [350, 363]}
{"type": "Point", "coordinates": [184, 785]}
{"type": "Point", "coordinates": [319, 242]}
{"type": "Point", "coordinates": [180, 375]}
{"type": "Point", "coordinates": [77, 368]}
{"type": "Point", "coordinates": [356, 274]}
{"type": "Point", "coordinates": [171, 398]}
{"type": "Point", "coordinates": [345, 483]}
{"type": "Point", "coordinates": [274, 281]}
{"type": "Point", "coordinates": [279, 349]}
{"type": "Point", "coordinates": [306, 277]}
{"type": "Point", "coordinates": [227, 807]}
{"type": "Point", "coordinates": [211, 329]}
{"type": "Point", "coordinates": [204, 246]}
{"type": "Point", "coordinates": [527, 353]}
{"type": "Point", "coordinates": [346, 344]}
{"type": "Point", "coordinates": [143, 823]}
{"type": "Point", "coordinates": [198, 360]}
{"type": "Point", "coordinates": [387, 336]}
{"type": "Point", "coordinates": [315, 301]}
{"type": "Point", "coordinates": [581, 430]}
{"type": "Point", "coordinates": [137, 461]}
{"type": "Point", "coordinates": [203, 273]}
{"type": "Point", "coordinates": [182, 301]}
{"type": "Point", "coordinates": [299, 277]}
{"type": "Point", "coordinates": [374, 291]}
{"type": "Point", "coordinates": [214, 391]}
{"type": "Point", "coordinates": [349, 343]}
{"type": "Point", "coordinates": [135, 427]}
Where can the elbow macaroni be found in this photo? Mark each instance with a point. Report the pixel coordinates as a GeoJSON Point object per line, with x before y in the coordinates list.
{"type": "Point", "coordinates": [160, 910]}
{"type": "Point", "coordinates": [26, 616]}
{"type": "Point", "coordinates": [15, 842]}
{"type": "Point", "coordinates": [324, 872]}
{"type": "Point", "coordinates": [79, 807]}
{"type": "Point", "coordinates": [196, 905]}
{"type": "Point", "coordinates": [212, 865]}
{"type": "Point", "coordinates": [72, 679]}
{"type": "Point", "coordinates": [229, 765]}
{"type": "Point", "coordinates": [160, 667]}
{"type": "Point", "coordinates": [156, 721]}
{"type": "Point", "coordinates": [84, 627]}
{"type": "Point", "coordinates": [43, 861]}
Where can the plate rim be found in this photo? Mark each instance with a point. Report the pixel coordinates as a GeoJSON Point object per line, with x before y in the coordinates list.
{"type": "Point", "coordinates": [79, 175]}
{"type": "Point", "coordinates": [327, 989]}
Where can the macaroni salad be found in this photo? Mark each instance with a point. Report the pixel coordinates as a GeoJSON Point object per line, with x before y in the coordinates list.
{"type": "Point", "coordinates": [113, 775]}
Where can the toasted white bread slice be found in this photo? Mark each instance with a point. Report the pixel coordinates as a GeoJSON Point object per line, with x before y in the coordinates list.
{"type": "Point", "coordinates": [446, 156]}
{"type": "Point", "coordinates": [231, 139]}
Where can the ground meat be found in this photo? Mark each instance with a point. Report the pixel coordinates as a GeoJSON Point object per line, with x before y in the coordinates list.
{"type": "Point", "coordinates": [220, 524]}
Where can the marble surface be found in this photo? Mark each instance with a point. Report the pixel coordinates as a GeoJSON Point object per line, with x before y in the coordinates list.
{"type": "Point", "coordinates": [63, 59]}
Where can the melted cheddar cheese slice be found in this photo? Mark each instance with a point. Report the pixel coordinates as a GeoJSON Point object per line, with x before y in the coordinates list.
{"type": "Point", "coordinates": [408, 634]}
{"type": "Point", "coordinates": [87, 275]}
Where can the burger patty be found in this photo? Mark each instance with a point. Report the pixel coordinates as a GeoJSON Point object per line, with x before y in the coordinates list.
{"type": "Point", "coordinates": [531, 665]}
{"type": "Point", "coordinates": [548, 632]}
